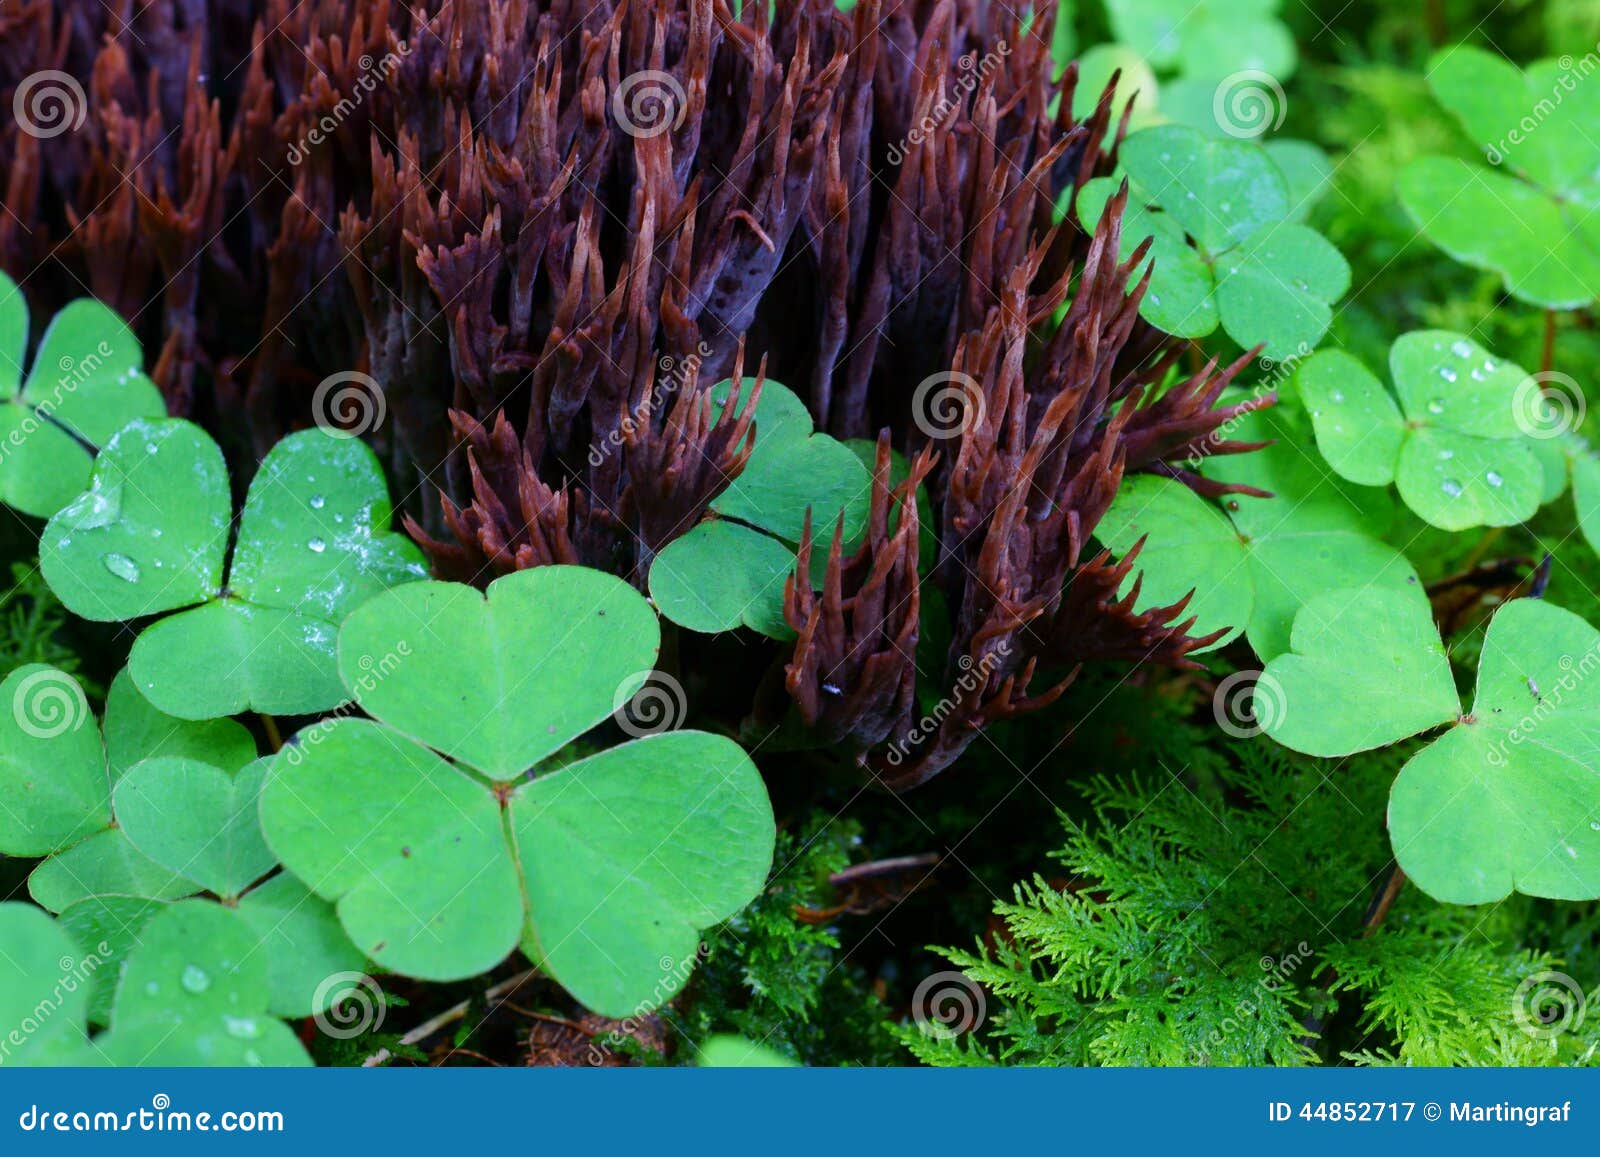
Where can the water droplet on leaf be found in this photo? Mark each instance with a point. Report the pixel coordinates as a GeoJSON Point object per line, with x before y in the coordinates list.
{"type": "Point", "coordinates": [122, 566]}
{"type": "Point", "coordinates": [195, 978]}
{"type": "Point", "coordinates": [242, 1027]}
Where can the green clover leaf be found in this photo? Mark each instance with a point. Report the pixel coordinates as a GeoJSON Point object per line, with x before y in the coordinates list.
{"type": "Point", "coordinates": [1224, 244]}
{"type": "Point", "coordinates": [1256, 567]}
{"type": "Point", "coordinates": [726, 1051]}
{"type": "Point", "coordinates": [298, 933]}
{"type": "Point", "coordinates": [108, 927]}
{"type": "Point", "coordinates": [1206, 38]}
{"type": "Point", "coordinates": [156, 810]}
{"type": "Point", "coordinates": [1506, 799]}
{"type": "Point", "coordinates": [730, 570]}
{"type": "Point", "coordinates": [197, 820]}
{"type": "Point", "coordinates": [151, 536]}
{"type": "Point", "coordinates": [1190, 546]}
{"type": "Point", "coordinates": [1452, 444]}
{"type": "Point", "coordinates": [86, 383]}
{"type": "Point", "coordinates": [196, 992]}
{"type": "Point", "coordinates": [604, 869]}
{"type": "Point", "coordinates": [1399, 648]}
{"type": "Point", "coordinates": [43, 1002]}
{"type": "Point", "coordinates": [57, 774]}
{"type": "Point", "coordinates": [1532, 218]}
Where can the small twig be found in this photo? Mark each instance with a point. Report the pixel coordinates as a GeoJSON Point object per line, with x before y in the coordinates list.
{"type": "Point", "coordinates": [1482, 548]}
{"type": "Point", "coordinates": [473, 1053]}
{"type": "Point", "coordinates": [1383, 901]}
{"type": "Point", "coordinates": [882, 868]}
{"type": "Point", "coordinates": [270, 726]}
{"type": "Point", "coordinates": [448, 1017]}
{"type": "Point", "coordinates": [1547, 354]}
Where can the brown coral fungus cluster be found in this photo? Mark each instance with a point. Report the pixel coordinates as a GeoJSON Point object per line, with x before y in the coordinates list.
{"type": "Point", "coordinates": [515, 215]}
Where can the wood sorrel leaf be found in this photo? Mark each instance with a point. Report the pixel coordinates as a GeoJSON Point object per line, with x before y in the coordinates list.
{"type": "Point", "coordinates": [628, 854]}
{"type": "Point", "coordinates": [151, 532]}
{"type": "Point", "coordinates": [412, 850]}
{"type": "Point", "coordinates": [734, 1052]}
{"type": "Point", "coordinates": [438, 870]}
{"type": "Point", "coordinates": [136, 729]}
{"type": "Point", "coordinates": [197, 820]}
{"type": "Point", "coordinates": [86, 384]}
{"type": "Point", "coordinates": [1219, 191]}
{"type": "Point", "coordinates": [1533, 220]}
{"type": "Point", "coordinates": [723, 575]}
{"type": "Point", "coordinates": [1367, 669]}
{"type": "Point", "coordinates": [1208, 38]}
{"type": "Point", "coordinates": [1190, 545]}
{"type": "Point", "coordinates": [428, 883]}
{"type": "Point", "coordinates": [730, 571]}
{"type": "Point", "coordinates": [1269, 280]}
{"type": "Point", "coordinates": [455, 668]}
{"type": "Point", "coordinates": [108, 927]}
{"type": "Point", "coordinates": [1312, 534]}
{"type": "Point", "coordinates": [1315, 533]}
{"type": "Point", "coordinates": [195, 992]}
{"type": "Point", "coordinates": [1278, 288]}
{"type": "Point", "coordinates": [304, 943]}
{"type": "Point", "coordinates": [151, 536]}
{"type": "Point", "coordinates": [1507, 799]}
{"type": "Point", "coordinates": [105, 864]}
{"type": "Point", "coordinates": [52, 763]}
{"type": "Point", "coordinates": [1452, 443]}
{"type": "Point", "coordinates": [792, 470]}
{"type": "Point", "coordinates": [38, 968]}
{"type": "Point", "coordinates": [58, 776]}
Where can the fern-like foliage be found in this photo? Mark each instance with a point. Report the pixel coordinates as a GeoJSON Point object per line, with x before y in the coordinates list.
{"type": "Point", "coordinates": [31, 619]}
{"type": "Point", "coordinates": [1228, 915]}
